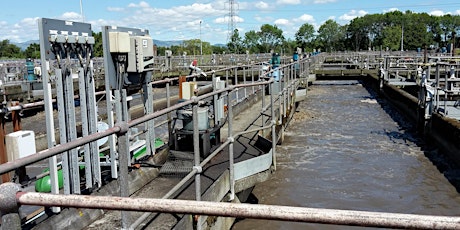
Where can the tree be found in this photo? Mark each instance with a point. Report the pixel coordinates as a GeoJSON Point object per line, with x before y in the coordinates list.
{"type": "Point", "coordinates": [32, 51]}
{"type": "Point", "coordinates": [289, 46]}
{"type": "Point", "coordinates": [235, 45]}
{"type": "Point", "coordinates": [8, 50]}
{"type": "Point", "coordinates": [271, 37]}
{"type": "Point", "coordinates": [330, 34]}
{"type": "Point", "coordinates": [97, 48]}
{"type": "Point", "coordinates": [251, 41]}
{"type": "Point", "coordinates": [392, 37]}
{"type": "Point", "coordinates": [305, 35]}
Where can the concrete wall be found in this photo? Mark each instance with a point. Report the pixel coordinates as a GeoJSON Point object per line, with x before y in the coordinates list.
{"type": "Point", "coordinates": [442, 131]}
{"type": "Point", "coordinates": [446, 133]}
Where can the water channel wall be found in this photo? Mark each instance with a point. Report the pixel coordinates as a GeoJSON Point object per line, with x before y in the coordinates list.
{"type": "Point", "coordinates": [442, 131]}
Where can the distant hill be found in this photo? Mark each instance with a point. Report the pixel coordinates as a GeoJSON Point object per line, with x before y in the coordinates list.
{"type": "Point", "coordinates": [167, 43]}
{"type": "Point", "coordinates": [24, 45]}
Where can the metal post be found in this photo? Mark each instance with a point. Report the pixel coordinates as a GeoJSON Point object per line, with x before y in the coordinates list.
{"type": "Point", "coordinates": [244, 81]}
{"type": "Point", "coordinates": [150, 125]}
{"type": "Point", "coordinates": [63, 133]}
{"type": "Point", "coordinates": [226, 77]}
{"type": "Point", "coordinates": [168, 104]}
{"type": "Point", "coordinates": [273, 126]}
{"type": "Point", "coordinates": [230, 149]}
{"type": "Point", "coordinates": [215, 99]}
{"type": "Point", "coordinates": [47, 98]}
{"type": "Point", "coordinates": [111, 123]}
{"type": "Point", "coordinates": [123, 150]}
{"type": "Point", "coordinates": [252, 79]}
{"type": "Point", "coordinates": [3, 154]}
{"type": "Point", "coordinates": [84, 127]}
{"type": "Point", "coordinates": [70, 124]}
{"type": "Point", "coordinates": [196, 150]}
{"type": "Point", "coordinates": [92, 122]}
{"type": "Point", "coordinates": [236, 83]}
{"type": "Point", "coordinates": [262, 109]}
{"type": "Point", "coordinates": [16, 119]}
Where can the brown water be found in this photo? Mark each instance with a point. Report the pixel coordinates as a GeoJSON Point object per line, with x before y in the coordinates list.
{"type": "Point", "coordinates": [348, 149]}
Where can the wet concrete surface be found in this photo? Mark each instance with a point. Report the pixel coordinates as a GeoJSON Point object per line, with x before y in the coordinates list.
{"type": "Point", "coordinates": [347, 148]}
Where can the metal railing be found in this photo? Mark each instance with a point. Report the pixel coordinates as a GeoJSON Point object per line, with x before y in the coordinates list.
{"type": "Point", "coordinates": [11, 196]}
{"type": "Point", "coordinates": [121, 129]}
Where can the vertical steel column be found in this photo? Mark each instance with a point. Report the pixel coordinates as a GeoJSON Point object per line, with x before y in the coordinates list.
{"type": "Point", "coordinates": [63, 133]}
{"type": "Point", "coordinates": [123, 154]}
{"type": "Point", "coordinates": [226, 77]}
{"type": "Point", "coordinates": [47, 98]}
{"type": "Point", "coordinates": [273, 126]}
{"type": "Point", "coordinates": [436, 106]}
{"type": "Point", "coordinates": [3, 155]}
{"type": "Point", "coordinates": [71, 126]}
{"type": "Point", "coordinates": [230, 149]}
{"type": "Point", "coordinates": [84, 127]}
{"type": "Point", "coordinates": [150, 125]}
{"type": "Point", "coordinates": [244, 81]}
{"type": "Point", "coordinates": [290, 86]}
{"type": "Point", "coordinates": [285, 92]}
{"type": "Point", "coordinates": [125, 114]}
{"type": "Point", "coordinates": [236, 83]}
{"type": "Point", "coordinates": [92, 123]}
{"type": "Point", "coordinates": [196, 150]}
{"type": "Point", "coordinates": [111, 123]}
{"type": "Point", "coordinates": [252, 79]}
{"type": "Point", "coordinates": [262, 109]}
{"type": "Point", "coordinates": [168, 104]}
{"type": "Point", "coordinates": [15, 118]}
{"type": "Point", "coordinates": [215, 98]}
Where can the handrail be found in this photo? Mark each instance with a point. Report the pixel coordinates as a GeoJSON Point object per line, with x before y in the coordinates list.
{"type": "Point", "coordinates": [255, 211]}
{"type": "Point", "coordinates": [121, 128]}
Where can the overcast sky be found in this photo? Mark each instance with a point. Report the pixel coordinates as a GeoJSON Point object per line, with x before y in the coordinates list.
{"type": "Point", "coordinates": [180, 19]}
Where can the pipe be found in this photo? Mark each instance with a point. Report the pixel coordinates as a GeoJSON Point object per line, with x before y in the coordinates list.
{"type": "Point", "coordinates": [259, 211]}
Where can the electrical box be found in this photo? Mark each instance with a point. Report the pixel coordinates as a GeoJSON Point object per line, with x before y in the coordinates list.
{"type": "Point", "coordinates": [119, 42]}
{"type": "Point", "coordinates": [188, 90]}
{"type": "Point", "coordinates": [140, 57]}
{"type": "Point", "coordinates": [20, 144]}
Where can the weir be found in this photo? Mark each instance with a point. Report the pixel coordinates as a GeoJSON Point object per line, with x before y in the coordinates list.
{"type": "Point", "coordinates": [190, 163]}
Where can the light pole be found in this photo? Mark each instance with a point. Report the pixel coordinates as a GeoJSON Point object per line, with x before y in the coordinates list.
{"type": "Point", "coordinates": [201, 45]}
{"type": "Point", "coordinates": [81, 11]}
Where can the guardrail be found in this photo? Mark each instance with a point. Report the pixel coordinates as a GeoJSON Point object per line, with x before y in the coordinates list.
{"type": "Point", "coordinates": [231, 93]}
{"type": "Point", "coordinates": [12, 197]}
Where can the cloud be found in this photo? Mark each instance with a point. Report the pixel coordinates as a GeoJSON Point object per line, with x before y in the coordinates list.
{"type": "Point", "coordinates": [323, 1]}
{"type": "Point", "coordinates": [226, 19]}
{"type": "Point", "coordinates": [140, 5]}
{"type": "Point", "coordinates": [438, 13]}
{"type": "Point", "coordinates": [262, 5]}
{"type": "Point", "coordinates": [264, 19]}
{"type": "Point", "coordinates": [288, 2]}
{"type": "Point", "coordinates": [352, 15]}
{"type": "Point", "coordinates": [115, 9]}
{"type": "Point", "coordinates": [282, 22]}
{"type": "Point", "coordinates": [391, 10]}
{"type": "Point", "coordinates": [71, 16]}
{"type": "Point", "coordinates": [305, 18]}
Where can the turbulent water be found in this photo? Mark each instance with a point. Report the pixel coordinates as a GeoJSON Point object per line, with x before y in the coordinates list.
{"type": "Point", "coordinates": [346, 148]}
